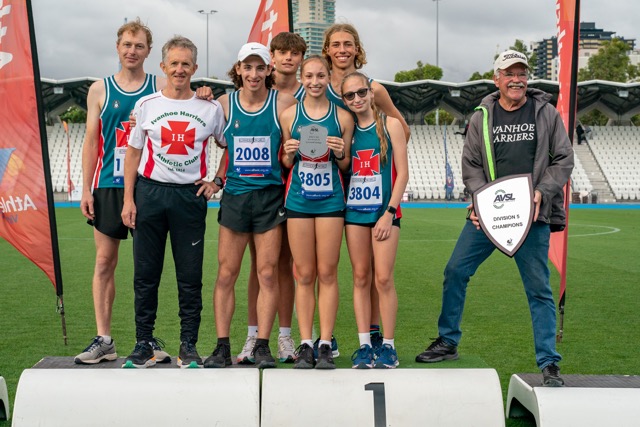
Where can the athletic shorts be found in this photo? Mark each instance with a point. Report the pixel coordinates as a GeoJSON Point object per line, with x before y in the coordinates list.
{"type": "Point", "coordinates": [394, 223]}
{"type": "Point", "coordinates": [107, 207]}
{"type": "Point", "coordinates": [254, 212]}
{"type": "Point", "coordinates": [304, 215]}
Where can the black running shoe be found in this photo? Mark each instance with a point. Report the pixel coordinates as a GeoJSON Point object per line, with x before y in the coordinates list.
{"type": "Point", "coordinates": [189, 357]}
{"type": "Point", "coordinates": [437, 352]}
{"type": "Point", "coordinates": [262, 358]}
{"type": "Point", "coordinates": [551, 376]}
{"type": "Point", "coordinates": [334, 347]}
{"type": "Point", "coordinates": [220, 358]}
{"type": "Point", "coordinates": [325, 358]}
{"type": "Point", "coordinates": [305, 359]}
{"type": "Point", "coordinates": [141, 357]}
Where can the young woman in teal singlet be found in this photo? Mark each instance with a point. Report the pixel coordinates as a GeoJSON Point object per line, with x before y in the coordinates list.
{"type": "Point", "coordinates": [316, 142]}
{"type": "Point", "coordinates": [380, 172]}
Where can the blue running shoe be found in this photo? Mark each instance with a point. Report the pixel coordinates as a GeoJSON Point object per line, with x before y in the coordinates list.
{"type": "Point", "coordinates": [362, 358]}
{"type": "Point", "coordinates": [386, 358]}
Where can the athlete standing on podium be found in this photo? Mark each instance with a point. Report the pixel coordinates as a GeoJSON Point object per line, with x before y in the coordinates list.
{"type": "Point", "coordinates": [109, 103]}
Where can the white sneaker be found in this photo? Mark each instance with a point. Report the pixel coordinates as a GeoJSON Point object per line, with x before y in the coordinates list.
{"type": "Point", "coordinates": [286, 349]}
{"type": "Point", "coordinates": [244, 358]}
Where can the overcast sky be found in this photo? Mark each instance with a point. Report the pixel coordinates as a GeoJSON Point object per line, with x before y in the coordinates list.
{"type": "Point", "coordinates": [76, 38]}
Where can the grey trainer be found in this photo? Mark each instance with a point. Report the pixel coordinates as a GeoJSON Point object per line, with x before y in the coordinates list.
{"type": "Point", "coordinates": [98, 351]}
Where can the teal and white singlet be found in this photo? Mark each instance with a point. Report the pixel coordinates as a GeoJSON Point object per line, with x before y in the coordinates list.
{"type": "Point", "coordinates": [114, 130]}
{"type": "Point", "coordinates": [315, 182]}
{"type": "Point", "coordinates": [254, 146]}
{"type": "Point", "coordinates": [371, 182]}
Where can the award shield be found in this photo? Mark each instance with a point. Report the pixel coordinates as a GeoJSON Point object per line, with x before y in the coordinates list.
{"type": "Point", "coordinates": [313, 141]}
{"type": "Point", "coordinates": [505, 211]}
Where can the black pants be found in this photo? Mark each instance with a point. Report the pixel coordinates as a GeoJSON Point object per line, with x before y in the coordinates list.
{"type": "Point", "coordinates": [168, 209]}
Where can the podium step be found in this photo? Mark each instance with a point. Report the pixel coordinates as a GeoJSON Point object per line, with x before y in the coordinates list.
{"type": "Point", "coordinates": [586, 400]}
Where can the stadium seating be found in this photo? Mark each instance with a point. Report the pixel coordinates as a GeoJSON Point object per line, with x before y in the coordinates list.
{"type": "Point", "coordinates": [616, 149]}
{"type": "Point", "coordinates": [58, 143]}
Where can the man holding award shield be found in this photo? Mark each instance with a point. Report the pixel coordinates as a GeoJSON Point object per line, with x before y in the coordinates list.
{"type": "Point", "coordinates": [515, 132]}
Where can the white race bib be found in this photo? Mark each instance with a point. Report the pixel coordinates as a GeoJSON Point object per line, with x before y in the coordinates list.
{"type": "Point", "coordinates": [365, 193]}
{"type": "Point", "coordinates": [252, 155]}
{"type": "Point", "coordinates": [118, 164]}
{"type": "Point", "coordinates": [316, 179]}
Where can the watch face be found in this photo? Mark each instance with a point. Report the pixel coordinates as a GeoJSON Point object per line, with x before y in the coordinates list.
{"type": "Point", "coordinates": [217, 181]}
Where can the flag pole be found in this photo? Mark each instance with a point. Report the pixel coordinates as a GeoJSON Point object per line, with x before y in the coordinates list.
{"type": "Point", "coordinates": [571, 120]}
{"type": "Point", "coordinates": [47, 173]}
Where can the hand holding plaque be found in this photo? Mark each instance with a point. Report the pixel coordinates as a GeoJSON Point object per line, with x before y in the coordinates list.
{"type": "Point", "coordinates": [505, 211]}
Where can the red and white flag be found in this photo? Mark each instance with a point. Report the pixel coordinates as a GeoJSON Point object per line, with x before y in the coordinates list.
{"type": "Point", "coordinates": [273, 17]}
{"type": "Point", "coordinates": [27, 217]}
{"type": "Point", "coordinates": [568, 22]}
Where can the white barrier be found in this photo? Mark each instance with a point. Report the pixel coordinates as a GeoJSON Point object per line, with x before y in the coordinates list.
{"type": "Point", "coordinates": [4, 400]}
{"type": "Point", "coordinates": [372, 397]}
{"type": "Point", "coordinates": [586, 400]}
{"type": "Point", "coordinates": [138, 397]}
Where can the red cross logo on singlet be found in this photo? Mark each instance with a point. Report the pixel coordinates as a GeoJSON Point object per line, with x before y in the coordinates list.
{"type": "Point", "coordinates": [178, 137]}
{"type": "Point", "coordinates": [122, 134]}
{"type": "Point", "coordinates": [365, 164]}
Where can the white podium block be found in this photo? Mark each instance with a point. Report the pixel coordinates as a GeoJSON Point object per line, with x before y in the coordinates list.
{"type": "Point", "coordinates": [373, 397]}
{"type": "Point", "coordinates": [4, 400]}
{"type": "Point", "coordinates": [137, 397]}
{"type": "Point", "coordinates": [586, 400]}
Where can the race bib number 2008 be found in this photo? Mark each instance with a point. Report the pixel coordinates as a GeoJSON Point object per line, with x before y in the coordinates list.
{"type": "Point", "coordinates": [252, 154]}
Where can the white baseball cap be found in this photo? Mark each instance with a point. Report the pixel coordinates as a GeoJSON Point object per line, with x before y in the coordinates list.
{"type": "Point", "coordinates": [509, 57]}
{"type": "Point", "coordinates": [256, 49]}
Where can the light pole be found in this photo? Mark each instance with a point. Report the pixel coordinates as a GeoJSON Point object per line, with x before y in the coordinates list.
{"type": "Point", "coordinates": [437, 48]}
{"type": "Point", "coordinates": [208, 13]}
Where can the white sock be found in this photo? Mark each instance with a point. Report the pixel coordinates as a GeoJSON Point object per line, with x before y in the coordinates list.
{"type": "Point", "coordinates": [365, 338]}
{"type": "Point", "coordinates": [106, 339]}
{"type": "Point", "coordinates": [307, 342]}
{"type": "Point", "coordinates": [285, 332]}
{"type": "Point", "coordinates": [252, 331]}
{"type": "Point", "coordinates": [390, 342]}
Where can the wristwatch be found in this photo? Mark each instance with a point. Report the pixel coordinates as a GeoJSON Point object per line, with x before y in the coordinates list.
{"type": "Point", "coordinates": [392, 210]}
{"type": "Point", "coordinates": [218, 181]}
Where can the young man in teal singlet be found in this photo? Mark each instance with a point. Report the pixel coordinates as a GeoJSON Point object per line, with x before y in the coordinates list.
{"type": "Point", "coordinates": [109, 103]}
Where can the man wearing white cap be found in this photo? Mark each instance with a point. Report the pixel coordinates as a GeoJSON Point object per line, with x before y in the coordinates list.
{"type": "Point", "coordinates": [525, 135]}
{"type": "Point", "coordinates": [252, 205]}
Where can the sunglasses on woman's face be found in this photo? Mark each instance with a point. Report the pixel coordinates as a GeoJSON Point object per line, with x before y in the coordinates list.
{"type": "Point", "coordinates": [360, 92]}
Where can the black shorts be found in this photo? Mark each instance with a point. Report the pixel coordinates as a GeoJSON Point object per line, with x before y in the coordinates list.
{"type": "Point", "coordinates": [304, 215]}
{"type": "Point", "coordinates": [107, 207]}
{"type": "Point", "coordinates": [254, 212]}
{"type": "Point", "coordinates": [394, 223]}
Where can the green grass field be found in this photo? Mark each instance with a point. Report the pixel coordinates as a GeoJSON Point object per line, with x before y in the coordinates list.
{"type": "Point", "coordinates": [601, 328]}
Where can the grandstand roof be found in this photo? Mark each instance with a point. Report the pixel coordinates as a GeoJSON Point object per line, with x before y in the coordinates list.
{"type": "Point", "coordinates": [619, 101]}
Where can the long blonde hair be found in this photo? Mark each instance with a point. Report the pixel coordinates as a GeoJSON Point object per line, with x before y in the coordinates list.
{"type": "Point", "coordinates": [379, 116]}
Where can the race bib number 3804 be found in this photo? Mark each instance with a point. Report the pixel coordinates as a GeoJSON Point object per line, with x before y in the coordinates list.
{"type": "Point", "coordinates": [365, 193]}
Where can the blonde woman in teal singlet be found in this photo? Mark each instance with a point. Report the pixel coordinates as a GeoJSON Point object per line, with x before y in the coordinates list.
{"type": "Point", "coordinates": [315, 205]}
{"type": "Point", "coordinates": [380, 173]}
